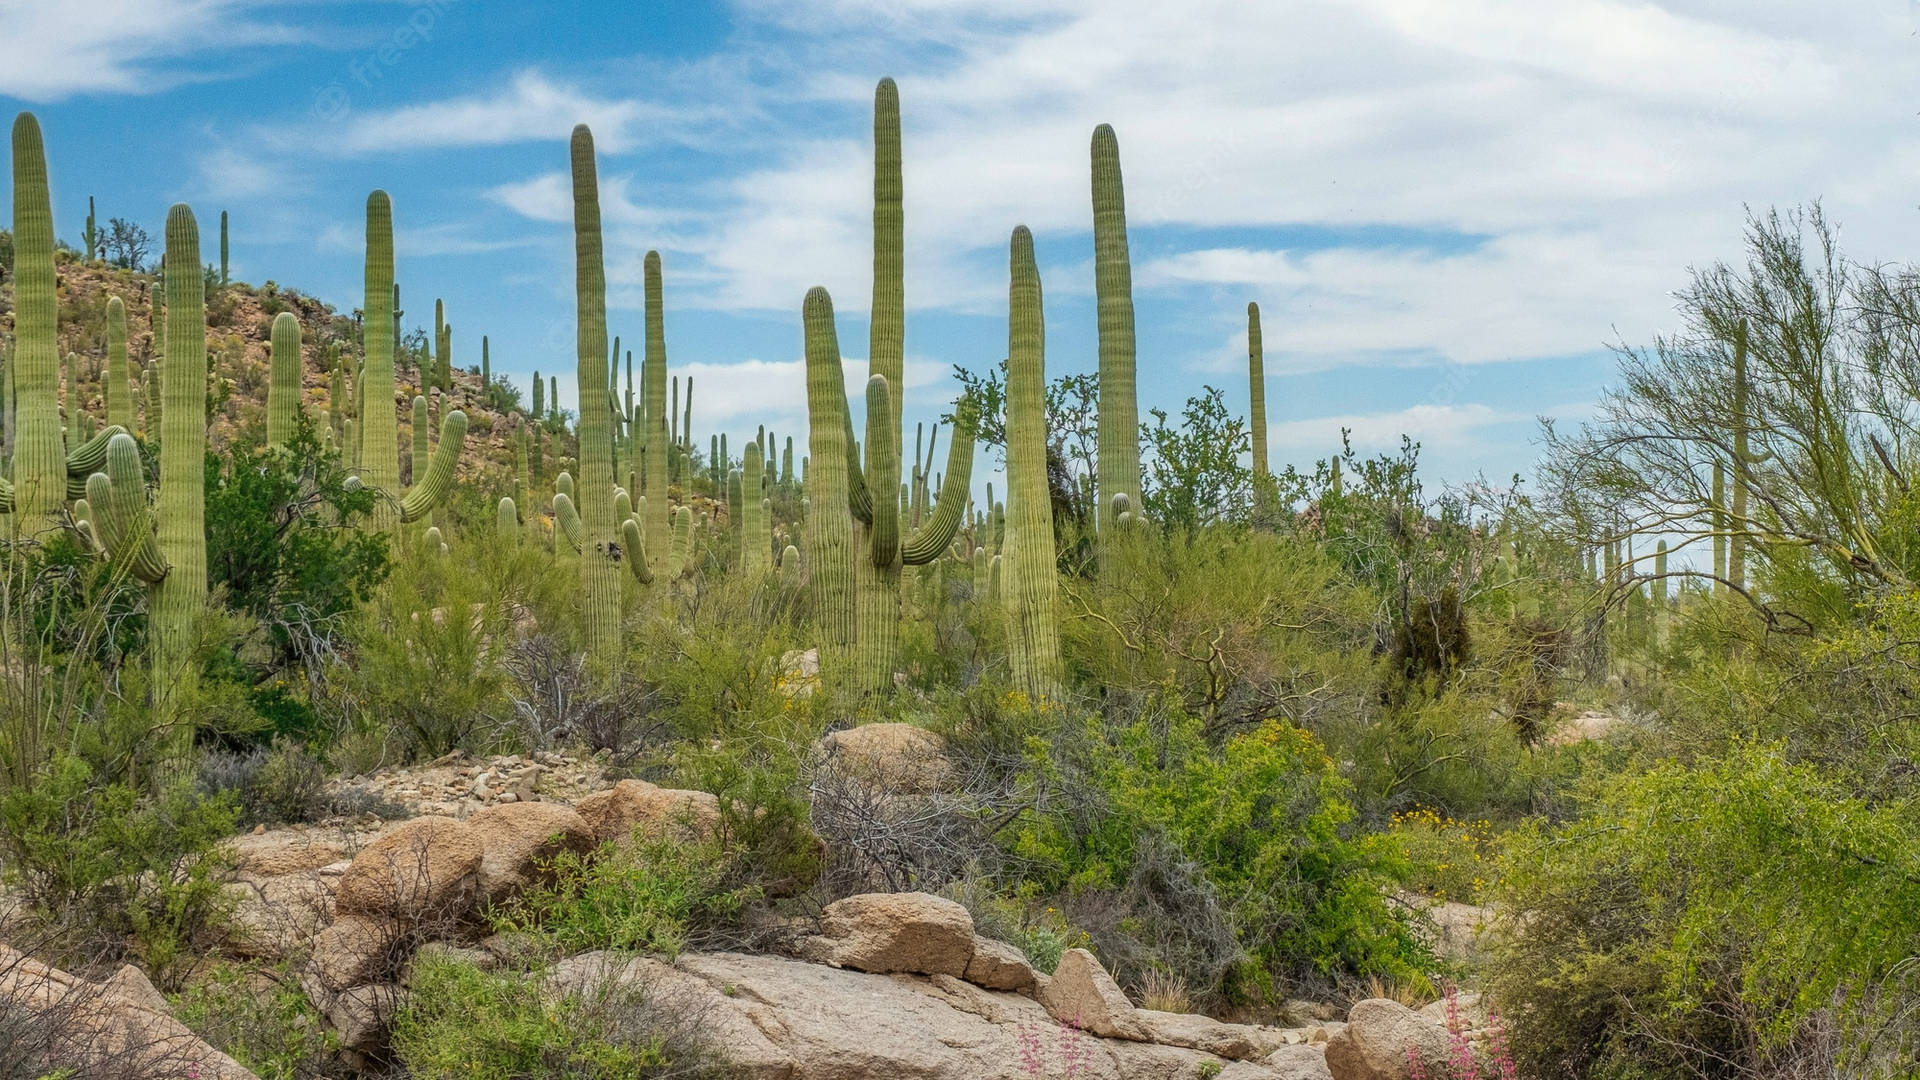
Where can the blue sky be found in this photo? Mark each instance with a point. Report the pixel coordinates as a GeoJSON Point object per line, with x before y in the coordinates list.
{"type": "Point", "coordinates": [1445, 208]}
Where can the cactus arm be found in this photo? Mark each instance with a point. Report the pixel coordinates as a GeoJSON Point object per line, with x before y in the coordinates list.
{"type": "Point", "coordinates": [567, 519]}
{"type": "Point", "coordinates": [883, 454]}
{"type": "Point", "coordinates": [506, 521]}
{"type": "Point", "coordinates": [428, 492]}
{"type": "Point", "coordinates": [122, 521]}
{"type": "Point", "coordinates": [926, 543]}
{"type": "Point", "coordinates": [421, 451]}
{"type": "Point", "coordinates": [636, 551]}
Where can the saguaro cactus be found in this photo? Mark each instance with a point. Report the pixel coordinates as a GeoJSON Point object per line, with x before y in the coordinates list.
{"type": "Point", "coordinates": [756, 554]}
{"type": "Point", "coordinates": [119, 390]}
{"type": "Point", "coordinates": [539, 395]}
{"type": "Point", "coordinates": [653, 406]}
{"type": "Point", "coordinates": [1033, 636]}
{"type": "Point", "coordinates": [283, 387]}
{"type": "Point", "coordinates": [39, 449]}
{"type": "Point", "coordinates": [172, 560]}
{"type": "Point", "coordinates": [830, 549]}
{"type": "Point", "coordinates": [1119, 453]}
{"type": "Point", "coordinates": [379, 424]}
{"type": "Point", "coordinates": [599, 581]}
{"type": "Point", "coordinates": [1257, 391]}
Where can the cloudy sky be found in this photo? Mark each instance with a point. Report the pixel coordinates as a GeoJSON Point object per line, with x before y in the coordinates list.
{"type": "Point", "coordinates": [1447, 209]}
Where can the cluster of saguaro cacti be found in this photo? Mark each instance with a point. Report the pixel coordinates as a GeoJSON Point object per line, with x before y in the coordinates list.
{"type": "Point", "coordinates": [170, 554]}
{"type": "Point", "coordinates": [378, 424]}
{"type": "Point", "coordinates": [872, 630]}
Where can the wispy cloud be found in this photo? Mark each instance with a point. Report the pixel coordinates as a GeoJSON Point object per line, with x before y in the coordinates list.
{"type": "Point", "coordinates": [530, 108]}
{"type": "Point", "coordinates": [57, 50]}
{"type": "Point", "coordinates": [1445, 427]}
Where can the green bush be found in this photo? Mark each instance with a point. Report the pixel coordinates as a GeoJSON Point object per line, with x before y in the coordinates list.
{"type": "Point", "coordinates": [650, 895]}
{"type": "Point", "coordinates": [107, 864]}
{"type": "Point", "coordinates": [261, 1018]}
{"type": "Point", "coordinates": [281, 784]}
{"type": "Point", "coordinates": [461, 1023]}
{"type": "Point", "coordinates": [1723, 919]}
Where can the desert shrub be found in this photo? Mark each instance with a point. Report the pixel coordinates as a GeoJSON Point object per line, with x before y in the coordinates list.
{"type": "Point", "coordinates": [649, 895]}
{"type": "Point", "coordinates": [1745, 916]}
{"type": "Point", "coordinates": [280, 784]}
{"type": "Point", "coordinates": [461, 1023]}
{"type": "Point", "coordinates": [105, 863]}
{"type": "Point", "coordinates": [1446, 859]}
{"type": "Point", "coordinates": [261, 1018]}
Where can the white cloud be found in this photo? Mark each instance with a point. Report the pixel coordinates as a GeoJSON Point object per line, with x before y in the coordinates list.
{"type": "Point", "coordinates": [57, 50]}
{"type": "Point", "coordinates": [1441, 427]}
{"type": "Point", "coordinates": [531, 107]}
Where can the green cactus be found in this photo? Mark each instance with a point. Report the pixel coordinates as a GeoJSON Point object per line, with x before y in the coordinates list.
{"type": "Point", "coordinates": [420, 436]}
{"type": "Point", "coordinates": [686, 420]}
{"type": "Point", "coordinates": [735, 511]}
{"type": "Point", "coordinates": [283, 387]}
{"type": "Point", "coordinates": [224, 277]}
{"type": "Point", "coordinates": [1033, 635]}
{"type": "Point", "coordinates": [39, 478]}
{"type": "Point", "coordinates": [171, 559]}
{"type": "Point", "coordinates": [337, 403]}
{"type": "Point", "coordinates": [786, 465]}
{"type": "Point", "coordinates": [432, 541]}
{"type": "Point", "coordinates": [1744, 461]}
{"type": "Point", "coordinates": [539, 392]}
{"type": "Point", "coordinates": [678, 544]}
{"type": "Point", "coordinates": [830, 541]}
{"type": "Point", "coordinates": [1119, 452]}
{"type": "Point", "coordinates": [1263, 489]}
{"type": "Point", "coordinates": [755, 557]}
{"type": "Point", "coordinates": [793, 575]}
{"type": "Point", "coordinates": [486, 366]}
{"type": "Point", "coordinates": [599, 581]}
{"type": "Point", "coordinates": [91, 236]}
{"type": "Point", "coordinates": [118, 387]}
{"type": "Point", "coordinates": [553, 396]}
{"type": "Point", "coordinates": [506, 522]}
{"type": "Point", "coordinates": [653, 406]}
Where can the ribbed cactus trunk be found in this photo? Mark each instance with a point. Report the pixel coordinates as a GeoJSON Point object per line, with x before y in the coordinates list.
{"type": "Point", "coordinates": [224, 276]}
{"type": "Point", "coordinates": [1119, 432]}
{"type": "Point", "coordinates": [521, 477]}
{"type": "Point", "coordinates": [599, 576]}
{"type": "Point", "coordinates": [421, 443]}
{"type": "Point", "coordinates": [118, 382]}
{"type": "Point", "coordinates": [1033, 637]}
{"type": "Point", "coordinates": [686, 420]}
{"type": "Point", "coordinates": [830, 543]}
{"type": "Point", "coordinates": [39, 450]}
{"type": "Point", "coordinates": [175, 601]}
{"type": "Point", "coordinates": [379, 434]}
{"type": "Point", "coordinates": [283, 386]}
{"type": "Point", "coordinates": [1263, 491]}
{"type": "Point", "coordinates": [486, 366]}
{"type": "Point", "coordinates": [653, 406]}
{"type": "Point", "coordinates": [754, 555]}
{"type": "Point", "coordinates": [539, 396]}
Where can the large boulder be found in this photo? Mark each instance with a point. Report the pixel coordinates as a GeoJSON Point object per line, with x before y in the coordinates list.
{"type": "Point", "coordinates": [517, 838]}
{"type": "Point", "coordinates": [613, 814]}
{"type": "Point", "coordinates": [358, 949]}
{"type": "Point", "coordinates": [899, 758]}
{"type": "Point", "coordinates": [1082, 994]}
{"type": "Point", "coordinates": [997, 965]}
{"type": "Point", "coordinates": [54, 1020]}
{"type": "Point", "coordinates": [285, 851]}
{"type": "Point", "coordinates": [424, 870]}
{"type": "Point", "coordinates": [1378, 1038]}
{"type": "Point", "coordinates": [889, 932]}
{"type": "Point", "coordinates": [362, 1015]}
{"type": "Point", "coordinates": [1300, 1061]}
{"type": "Point", "coordinates": [273, 916]}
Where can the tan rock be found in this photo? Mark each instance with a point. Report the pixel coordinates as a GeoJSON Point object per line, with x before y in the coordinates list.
{"type": "Point", "coordinates": [997, 965]}
{"type": "Point", "coordinates": [274, 917]}
{"type": "Point", "coordinates": [361, 1016]}
{"type": "Point", "coordinates": [132, 984]}
{"type": "Point", "coordinates": [1303, 1061]}
{"type": "Point", "coordinates": [358, 949]}
{"type": "Point", "coordinates": [1081, 993]}
{"type": "Point", "coordinates": [517, 838]}
{"type": "Point", "coordinates": [889, 932]}
{"type": "Point", "coordinates": [271, 854]}
{"type": "Point", "coordinates": [57, 1020]}
{"type": "Point", "coordinates": [1238, 1042]}
{"type": "Point", "coordinates": [425, 869]}
{"type": "Point", "coordinates": [900, 758]}
{"type": "Point", "coordinates": [1378, 1036]}
{"type": "Point", "coordinates": [613, 814]}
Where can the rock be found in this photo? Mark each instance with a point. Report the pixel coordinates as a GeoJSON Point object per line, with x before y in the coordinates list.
{"type": "Point", "coordinates": [358, 949]}
{"type": "Point", "coordinates": [997, 965]}
{"type": "Point", "coordinates": [613, 814]}
{"type": "Point", "coordinates": [1238, 1042]}
{"type": "Point", "coordinates": [901, 759]}
{"type": "Point", "coordinates": [889, 932]}
{"type": "Point", "coordinates": [1472, 1014]}
{"type": "Point", "coordinates": [361, 1016]}
{"type": "Point", "coordinates": [1081, 993]}
{"type": "Point", "coordinates": [1302, 1061]}
{"type": "Point", "coordinates": [273, 916]}
{"type": "Point", "coordinates": [1377, 1038]}
{"type": "Point", "coordinates": [271, 854]}
{"type": "Point", "coordinates": [54, 1019]}
{"type": "Point", "coordinates": [422, 870]}
{"type": "Point", "coordinates": [517, 838]}
{"type": "Point", "coordinates": [132, 984]}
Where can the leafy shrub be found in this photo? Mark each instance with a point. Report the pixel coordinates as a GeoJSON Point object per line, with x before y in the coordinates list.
{"type": "Point", "coordinates": [1743, 915]}
{"type": "Point", "coordinates": [281, 784]}
{"type": "Point", "coordinates": [1447, 859]}
{"type": "Point", "coordinates": [108, 864]}
{"type": "Point", "coordinates": [651, 895]}
{"type": "Point", "coordinates": [461, 1023]}
{"type": "Point", "coordinates": [261, 1018]}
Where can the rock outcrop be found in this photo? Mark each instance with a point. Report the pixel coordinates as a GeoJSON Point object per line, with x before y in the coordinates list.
{"type": "Point", "coordinates": [517, 838]}
{"type": "Point", "coordinates": [1379, 1036]}
{"type": "Point", "coordinates": [894, 932]}
{"type": "Point", "coordinates": [900, 758]}
{"type": "Point", "coordinates": [425, 869]}
{"type": "Point", "coordinates": [614, 813]}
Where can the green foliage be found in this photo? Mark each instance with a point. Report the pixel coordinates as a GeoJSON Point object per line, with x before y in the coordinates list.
{"type": "Point", "coordinates": [261, 1018]}
{"type": "Point", "coordinates": [460, 1023]}
{"type": "Point", "coordinates": [1732, 915]}
{"type": "Point", "coordinates": [1193, 475]}
{"type": "Point", "coordinates": [651, 894]}
{"type": "Point", "coordinates": [103, 862]}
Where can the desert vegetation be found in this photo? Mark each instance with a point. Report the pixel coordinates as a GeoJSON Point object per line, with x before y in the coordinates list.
{"type": "Point", "coordinates": [1607, 773]}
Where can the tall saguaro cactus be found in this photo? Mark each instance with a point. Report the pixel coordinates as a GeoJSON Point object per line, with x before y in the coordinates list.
{"type": "Point", "coordinates": [755, 554]}
{"type": "Point", "coordinates": [119, 390]}
{"type": "Point", "coordinates": [1119, 452]}
{"type": "Point", "coordinates": [172, 558]}
{"type": "Point", "coordinates": [653, 394]}
{"type": "Point", "coordinates": [1033, 635]}
{"type": "Point", "coordinates": [830, 550]}
{"type": "Point", "coordinates": [379, 424]}
{"type": "Point", "coordinates": [1257, 392]}
{"type": "Point", "coordinates": [599, 577]}
{"type": "Point", "coordinates": [39, 449]}
{"type": "Point", "coordinates": [283, 386]}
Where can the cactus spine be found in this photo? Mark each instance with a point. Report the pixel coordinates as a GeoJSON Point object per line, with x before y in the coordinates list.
{"type": "Point", "coordinates": [653, 406]}
{"type": "Point", "coordinates": [283, 387]}
{"type": "Point", "coordinates": [119, 389]}
{"type": "Point", "coordinates": [1257, 391]}
{"type": "Point", "coordinates": [1119, 452]}
{"type": "Point", "coordinates": [599, 581]}
{"type": "Point", "coordinates": [1032, 631]}
{"type": "Point", "coordinates": [39, 452]}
